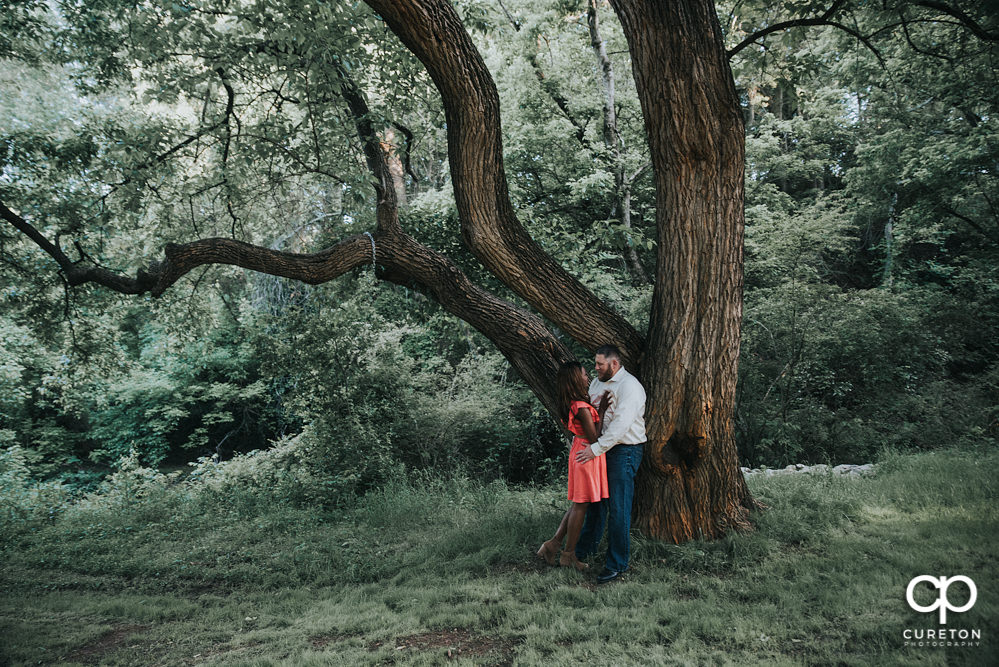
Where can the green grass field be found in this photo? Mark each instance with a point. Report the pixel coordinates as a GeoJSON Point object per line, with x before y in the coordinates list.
{"type": "Point", "coordinates": [429, 572]}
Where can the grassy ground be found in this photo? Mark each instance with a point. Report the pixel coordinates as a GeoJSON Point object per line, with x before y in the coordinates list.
{"type": "Point", "coordinates": [426, 573]}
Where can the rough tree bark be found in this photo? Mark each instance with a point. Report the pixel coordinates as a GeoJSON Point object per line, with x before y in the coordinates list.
{"type": "Point", "coordinates": [690, 484]}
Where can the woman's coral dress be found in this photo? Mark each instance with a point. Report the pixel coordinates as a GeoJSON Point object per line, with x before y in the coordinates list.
{"type": "Point", "coordinates": [587, 481]}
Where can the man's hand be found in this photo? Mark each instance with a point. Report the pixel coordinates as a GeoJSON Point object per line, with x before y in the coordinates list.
{"type": "Point", "coordinates": [584, 455]}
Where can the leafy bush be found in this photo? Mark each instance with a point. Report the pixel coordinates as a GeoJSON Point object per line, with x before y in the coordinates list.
{"type": "Point", "coordinates": [23, 500]}
{"type": "Point", "coordinates": [830, 375]}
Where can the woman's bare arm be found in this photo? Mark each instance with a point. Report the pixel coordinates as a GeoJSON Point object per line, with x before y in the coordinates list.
{"type": "Point", "coordinates": [589, 428]}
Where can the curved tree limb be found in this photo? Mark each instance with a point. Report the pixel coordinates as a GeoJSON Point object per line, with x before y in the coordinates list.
{"type": "Point", "coordinates": [432, 30]}
{"type": "Point", "coordinates": [521, 336]}
{"type": "Point", "coordinates": [785, 25]}
{"type": "Point", "coordinates": [968, 22]}
{"type": "Point", "coordinates": [809, 22]}
{"type": "Point", "coordinates": [825, 19]}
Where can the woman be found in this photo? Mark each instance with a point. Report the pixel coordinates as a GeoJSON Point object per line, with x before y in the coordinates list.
{"type": "Point", "coordinates": [587, 481]}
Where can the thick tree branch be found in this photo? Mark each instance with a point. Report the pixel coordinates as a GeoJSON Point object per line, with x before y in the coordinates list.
{"type": "Point", "coordinates": [387, 207]}
{"type": "Point", "coordinates": [179, 259]}
{"type": "Point", "coordinates": [432, 30]}
{"type": "Point", "coordinates": [521, 336]}
{"type": "Point", "coordinates": [25, 228]}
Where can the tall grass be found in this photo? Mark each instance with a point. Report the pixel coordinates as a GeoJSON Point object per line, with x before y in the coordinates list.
{"type": "Point", "coordinates": [174, 574]}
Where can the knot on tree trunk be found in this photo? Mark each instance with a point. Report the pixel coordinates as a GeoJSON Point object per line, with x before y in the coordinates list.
{"type": "Point", "coordinates": [689, 448]}
{"type": "Point", "coordinates": [677, 454]}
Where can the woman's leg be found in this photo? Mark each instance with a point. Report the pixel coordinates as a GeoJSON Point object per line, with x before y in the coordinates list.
{"type": "Point", "coordinates": [549, 549]}
{"type": "Point", "coordinates": [574, 524]}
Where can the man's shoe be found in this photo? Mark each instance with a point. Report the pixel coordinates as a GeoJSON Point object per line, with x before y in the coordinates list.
{"type": "Point", "coordinates": [608, 575]}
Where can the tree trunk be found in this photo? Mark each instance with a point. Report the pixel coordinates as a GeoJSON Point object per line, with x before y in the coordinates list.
{"type": "Point", "coordinates": [612, 140]}
{"type": "Point", "coordinates": [690, 485]}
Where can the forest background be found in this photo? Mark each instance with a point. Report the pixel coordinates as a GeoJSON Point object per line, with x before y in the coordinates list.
{"type": "Point", "coordinates": [871, 299]}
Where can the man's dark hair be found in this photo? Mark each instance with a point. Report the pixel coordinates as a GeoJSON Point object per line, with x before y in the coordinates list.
{"type": "Point", "coordinates": [609, 351]}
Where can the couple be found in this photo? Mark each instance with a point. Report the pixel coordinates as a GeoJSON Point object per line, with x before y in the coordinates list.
{"type": "Point", "coordinates": [603, 460]}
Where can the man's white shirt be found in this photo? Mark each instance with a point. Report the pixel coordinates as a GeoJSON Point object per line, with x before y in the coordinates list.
{"type": "Point", "coordinates": [624, 421]}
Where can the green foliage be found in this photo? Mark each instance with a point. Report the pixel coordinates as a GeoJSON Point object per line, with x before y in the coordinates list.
{"type": "Point", "coordinates": [195, 401]}
{"type": "Point", "coordinates": [870, 309]}
{"type": "Point", "coordinates": [377, 396]}
{"type": "Point", "coordinates": [25, 502]}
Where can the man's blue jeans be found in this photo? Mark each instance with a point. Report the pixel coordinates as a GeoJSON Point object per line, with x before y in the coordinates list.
{"type": "Point", "coordinates": [622, 464]}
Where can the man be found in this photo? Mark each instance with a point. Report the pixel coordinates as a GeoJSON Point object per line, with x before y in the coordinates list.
{"type": "Point", "coordinates": [621, 441]}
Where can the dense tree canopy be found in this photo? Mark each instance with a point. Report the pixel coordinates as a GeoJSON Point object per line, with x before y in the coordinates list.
{"type": "Point", "coordinates": [595, 192]}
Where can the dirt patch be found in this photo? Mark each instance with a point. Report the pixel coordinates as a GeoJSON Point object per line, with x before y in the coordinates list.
{"type": "Point", "coordinates": [459, 642]}
{"type": "Point", "coordinates": [109, 641]}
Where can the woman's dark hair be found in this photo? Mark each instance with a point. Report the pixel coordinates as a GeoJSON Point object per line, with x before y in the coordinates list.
{"type": "Point", "coordinates": [570, 385]}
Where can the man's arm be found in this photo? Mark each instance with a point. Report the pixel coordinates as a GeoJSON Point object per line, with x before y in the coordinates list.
{"type": "Point", "coordinates": [627, 408]}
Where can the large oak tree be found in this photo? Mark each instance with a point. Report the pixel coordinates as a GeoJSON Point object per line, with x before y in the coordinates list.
{"type": "Point", "coordinates": [689, 485]}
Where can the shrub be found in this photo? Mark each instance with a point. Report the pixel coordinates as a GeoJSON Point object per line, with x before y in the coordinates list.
{"type": "Point", "coordinates": [23, 500]}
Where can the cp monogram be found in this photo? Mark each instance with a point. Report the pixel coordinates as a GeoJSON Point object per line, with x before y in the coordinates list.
{"type": "Point", "coordinates": [941, 583]}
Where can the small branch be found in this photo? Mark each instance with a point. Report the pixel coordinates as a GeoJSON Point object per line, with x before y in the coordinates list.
{"type": "Point", "coordinates": [977, 30]}
{"type": "Point", "coordinates": [785, 25]}
{"type": "Point", "coordinates": [513, 22]}
{"type": "Point", "coordinates": [978, 227]}
{"type": "Point", "coordinates": [406, 132]}
{"type": "Point", "coordinates": [912, 44]}
{"type": "Point", "coordinates": [821, 20]}
{"type": "Point", "coordinates": [159, 159]}
{"type": "Point", "coordinates": [638, 172]}
{"type": "Point", "coordinates": [230, 105]}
